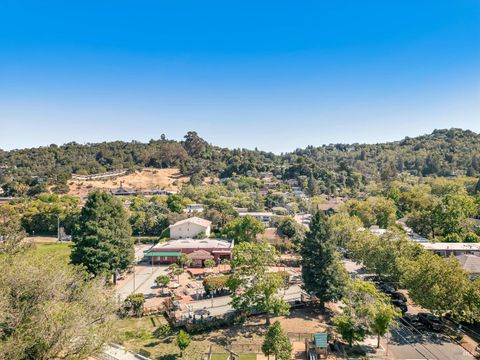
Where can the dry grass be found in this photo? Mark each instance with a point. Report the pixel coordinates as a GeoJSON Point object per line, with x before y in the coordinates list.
{"type": "Point", "coordinates": [146, 179]}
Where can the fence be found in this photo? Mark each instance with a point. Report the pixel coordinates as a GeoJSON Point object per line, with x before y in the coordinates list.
{"type": "Point", "coordinates": [105, 175]}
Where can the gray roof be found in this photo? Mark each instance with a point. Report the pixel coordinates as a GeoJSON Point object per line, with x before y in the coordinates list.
{"type": "Point", "coordinates": [470, 263]}
{"type": "Point", "coordinates": [193, 244]}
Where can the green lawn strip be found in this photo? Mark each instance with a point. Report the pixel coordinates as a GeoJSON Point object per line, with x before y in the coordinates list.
{"type": "Point", "coordinates": [240, 357]}
{"type": "Point", "coordinates": [60, 250]}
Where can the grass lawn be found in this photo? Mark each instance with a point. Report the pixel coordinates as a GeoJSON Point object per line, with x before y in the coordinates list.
{"type": "Point", "coordinates": [137, 335]}
{"type": "Point", "coordinates": [241, 357]}
{"type": "Point", "coordinates": [57, 249]}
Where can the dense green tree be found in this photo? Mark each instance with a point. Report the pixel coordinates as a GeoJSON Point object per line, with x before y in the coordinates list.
{"type": "Point", "coordinates": [162, 281]}
{"type": "Point", "coordinates": [253, 287]}
{"type": "Point", "coordinates": [366, 311]}
{"type": "Point", "coordinates": [176, 203]}
{"type": "Point", "coordinates": [277, 343]}
{"type": "Point", "coordinates": [102, 238]}
{"type": "Point", "coordinates": [384, 318]}
{"type": "Point", "coordinates": [182, 341]}
{"type": "Point", "coordinates": [384, 255]}
{"type": "Point", "coordinates": [322, 272]}
{"type": "Point", "coordinates": [244, 229]}
{"type": "Point", "coordinates": [292, 229]}
{"type": "Point", "coordinates": [344, 228]}
{"type": "Point", "coordinates": [438, 284]}
{"type": "Point", "coordinates": [373, 211]}
{"type": "Point", "coordinates": [214, 283]}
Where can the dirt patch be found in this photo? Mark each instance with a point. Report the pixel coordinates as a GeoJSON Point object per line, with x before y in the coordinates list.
{"type": "Point", "coordinates": [146, 179]}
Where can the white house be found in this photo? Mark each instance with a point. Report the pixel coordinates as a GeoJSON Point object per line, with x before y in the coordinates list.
{"type": "Point", "coordinates": [264, 217]}
{"type": "Point", "coordinates": [455, 249]}
{"type": "Point", "coordinates": [190, 228]}
{"type": "Point", "coordinates": [191, 208]}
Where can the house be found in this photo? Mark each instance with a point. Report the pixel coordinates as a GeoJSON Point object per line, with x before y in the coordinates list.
{"type": "Point", "coordinates": [240, 210]}
{"type": "Point", "coordinates": [448, 249]}
{"type": "Point", "coordinates": [191, 208]}
{"type": "Point", "coordinates": [122, 191]}
{"type": "Point", "coordinates": [197, 249]}
{"type": "Point", "coordinates": [190, 228]}
{"type": "Point", "coordinates": [470, 263]}
{"type": "Point", "coordinates": [303, 219]}
{"type": "Point", "coordinates": [263, 217]}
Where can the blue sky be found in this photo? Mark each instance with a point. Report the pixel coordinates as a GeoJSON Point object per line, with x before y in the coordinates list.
{"type": "Point", "coordinates": [276, 75]}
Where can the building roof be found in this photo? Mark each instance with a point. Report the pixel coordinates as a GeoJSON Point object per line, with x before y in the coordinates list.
{"type": "Point", "coordinates": [255, 213]}
{"type": "Point", "coordinates": [193, 220]}
{"type": "Point", "coordinates": [163, 253]}
{"type": "Point", "coordinates": [270, 234]}
{"type": "Point", "coordinates": [321, 340]}
{"type": "Point", "coordinates": [331, 205]}
{"type": "Point", "coordinates": [195, 205]}
{"type": "Point", "coordinates": [194, 244]}
{"type": "Point", "coordinates": [443, 246]}
{"type": "Point", "coordinates": [200, 255]}
{"type": "Point", "coordinates": [470, 263]}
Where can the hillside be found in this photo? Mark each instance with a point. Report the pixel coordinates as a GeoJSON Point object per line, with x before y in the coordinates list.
{"type": "Point", "coordinates": [145, 179]}
{"type": "Point", "coordinates": [329, 167]}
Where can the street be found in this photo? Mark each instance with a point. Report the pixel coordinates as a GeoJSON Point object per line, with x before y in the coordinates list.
{"type": "Point", "coordinates": [408, 343]}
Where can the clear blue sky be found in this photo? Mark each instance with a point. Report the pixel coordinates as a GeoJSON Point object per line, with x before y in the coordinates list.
{"type": "Point", "coordinates": [276, 75]}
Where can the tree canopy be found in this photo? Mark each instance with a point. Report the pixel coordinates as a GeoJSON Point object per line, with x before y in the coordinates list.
{"type": "Point", "coordinates": [102, 237]}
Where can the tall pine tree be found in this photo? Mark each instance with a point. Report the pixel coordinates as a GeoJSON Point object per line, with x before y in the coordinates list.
{"type": "Point", "coordinates": [102, 236]}
{"type": "Point", "coordinates": [323, 274]}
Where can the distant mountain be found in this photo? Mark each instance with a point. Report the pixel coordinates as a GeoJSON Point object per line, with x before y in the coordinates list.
{"type": "Point", "coordinates": [441, 153]}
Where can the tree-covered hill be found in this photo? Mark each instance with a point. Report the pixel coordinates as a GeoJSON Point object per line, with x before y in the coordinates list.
{"type": "Point", "coordinates": [441, 153]}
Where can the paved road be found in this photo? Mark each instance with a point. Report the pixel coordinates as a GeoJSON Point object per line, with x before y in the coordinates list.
{"type": "Point", "coordinates": [144, 281]}
{"type": "Point", "coordinates": [221, 304]}
{"type": "Point", "coordinates": [407, 343]}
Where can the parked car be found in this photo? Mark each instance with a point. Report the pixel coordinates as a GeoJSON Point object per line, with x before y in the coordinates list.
{"type": "Point", "coordinates": [431, 321]}
{"type": "Point", "coordinates": [413, 320]}
{"type": "Point", "coordinates": [398, 296]}
{"type": "Point", "coordinates": [386, 288]}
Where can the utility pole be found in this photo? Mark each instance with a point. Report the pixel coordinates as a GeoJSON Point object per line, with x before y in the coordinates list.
{"type": "Point", "coordinates": [133, 291]}
{"type": "Point", "coordinates": [58, 227]}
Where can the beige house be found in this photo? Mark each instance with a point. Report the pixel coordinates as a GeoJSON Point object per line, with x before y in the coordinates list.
{"type": "Point", "coordinates": [190, 228]}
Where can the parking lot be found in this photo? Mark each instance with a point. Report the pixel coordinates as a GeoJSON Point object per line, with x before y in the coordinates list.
{"type": "Point", "coordinates": [142, 279]}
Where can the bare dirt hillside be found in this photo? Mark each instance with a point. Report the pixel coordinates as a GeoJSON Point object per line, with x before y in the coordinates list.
{"type": "Point", "coordinates": [146, 179]}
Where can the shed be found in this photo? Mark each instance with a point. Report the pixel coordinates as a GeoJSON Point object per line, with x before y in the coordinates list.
{"type": "Point", "coordinates": [320, 341]}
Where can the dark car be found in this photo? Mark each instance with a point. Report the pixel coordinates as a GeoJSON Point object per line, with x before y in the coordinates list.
{"type": "Point", "coordinates": [431, 321]}
{"type": "Point", "coordinates": [398, 296]}
{"type": "Point", "coordinates": [401, 305]}
{"type": "Point", "coordinates": [386, 288]}
{"type": "Point", "coordinates": [413, 320]}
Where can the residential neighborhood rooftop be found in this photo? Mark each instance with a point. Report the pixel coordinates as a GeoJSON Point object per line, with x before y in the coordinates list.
{"type": "Point", "coordinates": [194, 220]}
